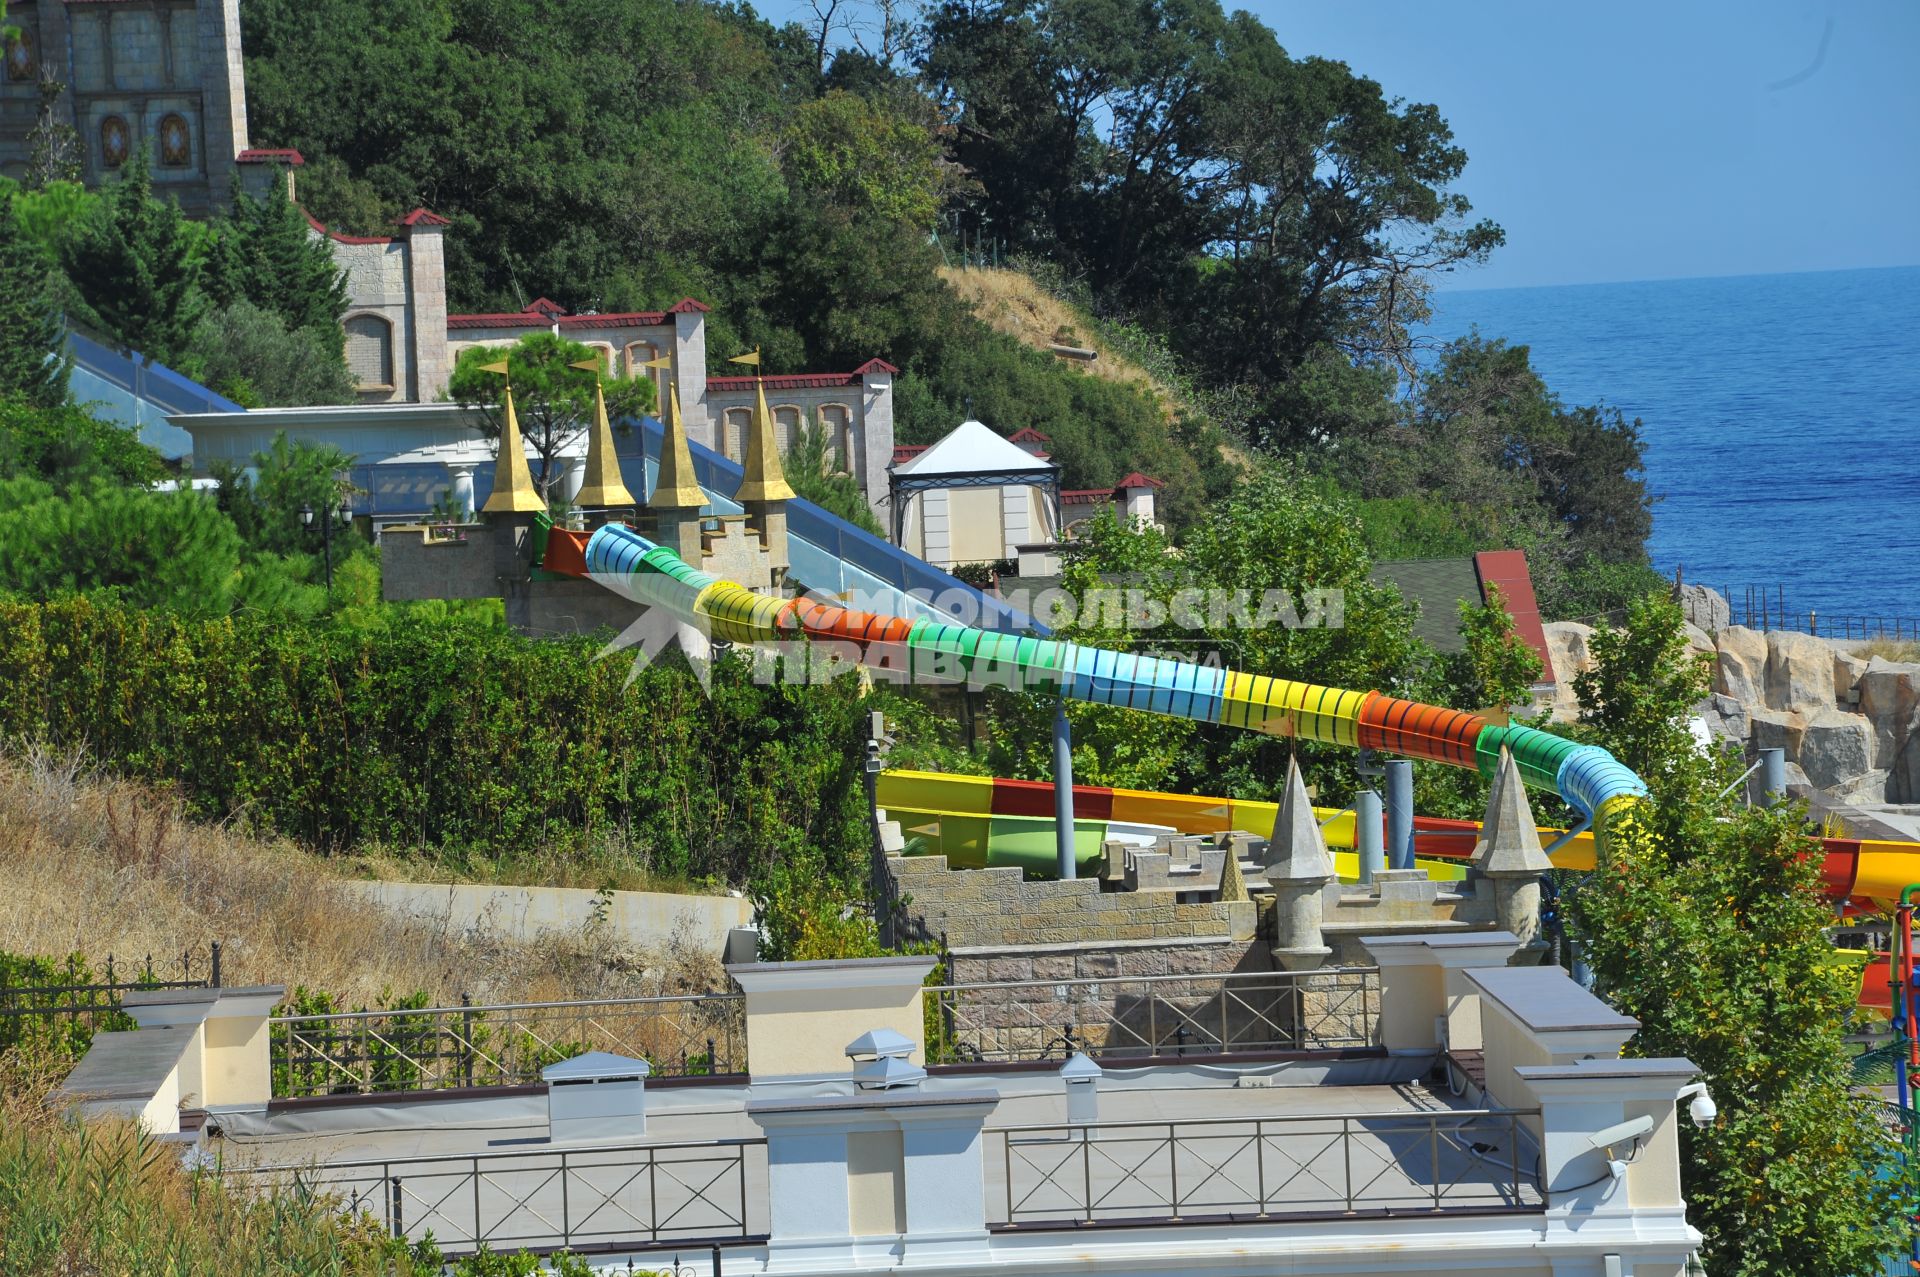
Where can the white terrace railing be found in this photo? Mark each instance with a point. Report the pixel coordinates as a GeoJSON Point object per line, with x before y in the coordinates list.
{"type": "Point", "coordinates": [545, 1200]}
{"type": "Point", "coordinates": [1242, 1169]}
{"type": "Point", "coordinates": [443, 1048]}
{"type": "Point", "coordinates": [1133, 1017]}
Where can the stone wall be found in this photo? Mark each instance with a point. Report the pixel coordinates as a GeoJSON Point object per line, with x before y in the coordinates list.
{"type": "Point", "coordinates": [995, 908]}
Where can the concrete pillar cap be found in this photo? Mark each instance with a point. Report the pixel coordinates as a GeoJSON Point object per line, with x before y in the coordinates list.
{"type": "Point", "coordinates": [1509, 844]}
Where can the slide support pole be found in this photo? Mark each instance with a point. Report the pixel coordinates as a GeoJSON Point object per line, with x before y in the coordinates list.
{"type": "Point", "coordinates": [1063, 790]}
{"type": "Point", "coordinates": [1367, 841]}
{"type": "Point", "coordinates": [1400, 813]}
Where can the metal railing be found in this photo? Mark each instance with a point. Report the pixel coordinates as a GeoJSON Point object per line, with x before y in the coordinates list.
{"type": "Point", "coordinates": [438, 1048]}
{"type": "Point", "coordinates": [548, 1200]}
{"type": "Point", "coordinates": [70, 992]}
{"type": "Point", "coordinates": [1265, 1168]}
{"type": "Point", "coordinates": [1143, 1016]}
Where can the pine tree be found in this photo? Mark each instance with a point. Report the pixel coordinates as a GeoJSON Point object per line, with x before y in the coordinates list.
{"type": "Point", "coordinates": [264, 253]}
{"type": "Point", "coordinates": [135, 266]}
{"type": "Point", "coordinates": [30, 329]}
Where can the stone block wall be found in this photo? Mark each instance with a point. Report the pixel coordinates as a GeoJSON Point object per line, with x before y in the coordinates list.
{"type": "Point", "coordinates": [996, 908]}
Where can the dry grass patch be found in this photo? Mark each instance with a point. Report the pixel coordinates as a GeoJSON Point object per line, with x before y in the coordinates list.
{"type": "Point", "coordinates": [96, 865]}
{"type": "Point", "coordinates": [1012, 303]}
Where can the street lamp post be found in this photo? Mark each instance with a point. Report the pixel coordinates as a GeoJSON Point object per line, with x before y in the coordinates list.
{"type": "Point", "coordinates": [344, 513]}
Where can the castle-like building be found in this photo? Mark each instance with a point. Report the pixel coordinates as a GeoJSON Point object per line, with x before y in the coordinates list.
{"type": "Point", "coordinates": [160, 74]}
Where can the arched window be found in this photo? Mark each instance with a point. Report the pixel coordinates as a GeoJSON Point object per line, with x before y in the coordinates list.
{"type": "Point", "coordinates": [370, 351]}
{"type": "Point", "coordinates": [639, 355]}
{"type": "Point", "coordinates": [603, 351]}
{"type": "Point", "coordinates": [176, 142]}
{"type": "Point", "coordinates": [22, 65]}
{"type": "Point", "coordinates": [786, 427]}
{"type": "Point", "coordinates": [116, 141]}
{"type": "Point", "coordinates": [837, 419]}
{"type": "Point", "coordinates": [734, 443]}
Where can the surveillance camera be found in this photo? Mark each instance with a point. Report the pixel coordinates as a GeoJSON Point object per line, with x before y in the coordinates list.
{"type": "Point", "coordinates": [1702, 1109]}
{"type": "Point", "coordinates": [1620, 1133]}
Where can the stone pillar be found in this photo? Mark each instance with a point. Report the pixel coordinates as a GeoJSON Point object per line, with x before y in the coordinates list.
{"type": "Point", "coordinates": [875, 453]}
{"type": "Point", "coordinates": [690, 370]}
{"type": "Point", "coordinates": [227, 1064]}
{"type": "Point", "coordinates": [223, 93]}
{"type": "Point", "coordinates": [858, 1181]}
{"type": "Point", "coordinates": [1299, 870]}
{"type": "Point", "coordinates": [1509, 853]}
{"type": "Point", "coordinates": [431, 364]}
{"type": "Point", "coordinates": [801, 1015]}
{"type": "Point", "coordinates": [1425, 986]}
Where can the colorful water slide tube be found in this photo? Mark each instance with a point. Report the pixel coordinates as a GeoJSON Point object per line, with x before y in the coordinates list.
{"type": "Point", "coordinates": [1590, 779]}
{"type": "Point", "coordinates": [988, 821]}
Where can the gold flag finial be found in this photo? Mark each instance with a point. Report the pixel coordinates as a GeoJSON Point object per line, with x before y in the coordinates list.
{"type": "Point", "coordinates": [751, 357]}
{"type": "Point", "coordinates": [765, 480]}
{"type": "Point", "coordinates": [513, 490]}
{"type": "Point", "coordinates": [602, 488]}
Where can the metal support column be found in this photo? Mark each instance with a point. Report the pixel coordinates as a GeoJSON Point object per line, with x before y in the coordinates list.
{"type": "Point", "coordinates": [1400, 813]}
{"type": "Point", "coordinates": [1366, 835]}
{"type": "Point", "coordinates": [1063, 791]}
{"type": "Point", "coordinates": [1773, 776]}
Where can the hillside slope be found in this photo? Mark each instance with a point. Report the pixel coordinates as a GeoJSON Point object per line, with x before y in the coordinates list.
{"type": "Point", "coordinates": [1011, 302]}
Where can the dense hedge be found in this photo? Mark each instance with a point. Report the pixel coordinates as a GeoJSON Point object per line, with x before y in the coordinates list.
{"type": "Point", "coordinates": [425, 733]}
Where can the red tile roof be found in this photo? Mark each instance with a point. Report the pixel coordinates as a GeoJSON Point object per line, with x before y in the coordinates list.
{"type": "Point", "coordinates": [790, 381]}
{"type": "Point", "coordinates": [1085, 496]}
{"type": "Point", "coordinates": [908, 451]}
{"type": "Point", "coordinates": [1027, 434]}
{"type": "Point", "coordinates": [874, 365]}
{"type": "Point", "coordinates": [271, 155]}
{"type": "Point", "coordinates": [1508, 570]}
{"type": "Point", "coordinates": [423, 217]}
{"type": "Point", "coordinates": [544, 313]}
{"type": "Point", "coordinates": [338, 238]}
{"type": "Point", "coordinates": [1138, 480]}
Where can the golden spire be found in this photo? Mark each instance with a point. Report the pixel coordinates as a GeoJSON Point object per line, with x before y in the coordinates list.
{"type": "Point", "coordinates": [674, 488]}
{"type": "Point", "coordinates": [765, 480]}
{"type": "Point", "coordinates": [602, 488]}
{"type": "Point", "coordinates": [513, 490]}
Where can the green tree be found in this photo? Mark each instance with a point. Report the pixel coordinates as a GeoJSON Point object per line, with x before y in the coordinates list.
{"type": "Point", "coordinates": [69, 447]}
{"type": "Point", "coordinates": [32, 366]}
{"type": "Point", "coordinates": [1704, 920]}
{"type": "Point", "coordinates": [553, 400]}
{"type": "Point", "coordinates": [288, 477]}
{"type": "Point", "coordinates": [846, 151]}
{"type": "Point", "coordinates": [813, 474]}
{"type": "Point", "coordinates": [1496, 668]}
{"type": "Point", "coordinates": [263, 253]}
{"type": "Point", "coordinates": [252, 357]}
{"type": "Point", "coordinates": [174, 551]}
{"type": "Point", "coordinates": [135, 262]}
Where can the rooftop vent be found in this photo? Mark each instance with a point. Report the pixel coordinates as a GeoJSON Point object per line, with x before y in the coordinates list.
{"type": "Point", "coordinates": [883, 1060]}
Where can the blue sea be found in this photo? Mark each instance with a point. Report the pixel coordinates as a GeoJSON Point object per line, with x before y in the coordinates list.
{"type": "Point", "coordinates": [1781, 415]}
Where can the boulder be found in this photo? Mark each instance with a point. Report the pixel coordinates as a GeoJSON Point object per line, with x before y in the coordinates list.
{"type": "Point", "coordinates": [1799, 672]}
{"type": "Point", "coordinates": [1834, 747]}
{"type": "Point", "coordinates": [1741, 671]}
{"type": "Point", "coordinates": [1705, 607]}
{"type": "Point", "coordinates": [1732, 716]}
{"type": "Point", "coordinates": [1867, 787]}
{"type": "Point", "coordinates": [1699, 640]}
{"type": "Point", "coordinates": [1568, 650]}
{"type": "Point", "coordinates": [1903, 781]}
{"type": "Point", "coordinates": [1847, 669]}
{"type": "Point", "coordinates": [1774, 729]}
{"type": "Point", "coordinates": [1890, 699]}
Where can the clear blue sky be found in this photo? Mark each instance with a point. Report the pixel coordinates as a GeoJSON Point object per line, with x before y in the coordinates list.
{"type": "Point", "coordinates": [1636, 140]}
{"type": "Point", "coordinates": [1651, 139]}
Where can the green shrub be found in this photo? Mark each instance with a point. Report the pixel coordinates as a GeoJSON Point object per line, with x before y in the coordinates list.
{"type": "Point", "coordinates": [465, 740]}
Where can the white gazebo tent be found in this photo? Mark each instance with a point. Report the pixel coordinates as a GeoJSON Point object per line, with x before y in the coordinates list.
{"type": "Point", "coordinates": [972, 498]}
